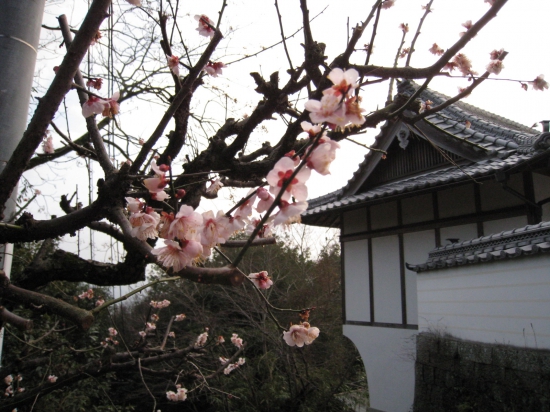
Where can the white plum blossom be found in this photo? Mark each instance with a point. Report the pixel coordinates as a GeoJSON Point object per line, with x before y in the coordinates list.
{"type": "Point", "coordinates": [179, 318]}
{"type": "Point", "coordinates": [281, 173]}
{"type": "Point", "coordinates": [330, 109]}
{"type": "Point", "coordinates": [52, 378]}
{"type": "Point", "coordinates": [311, 129]}
{"type": "Point", "coordinates": [435, 49]}
{"type": "Point", "coordinates": [8, 379]}
{"type": "Point", "coordinates": [215, 230]}
{"type": "Point", "coordinates": [47, 145]}
{"type": "Point", "coordinates": [113, 332]}
{"type": "Point", "coordinates": [261, 280]}
{"type": "Point", "coordinates": [136, 3]}
{"type": "Point", "coordinates": [111, 106]}
{"type": "Point", "coordinates": [266, 200]}
{"type": "Point", "coordinates": [345, 82]}
{"type": "Point", "coordinates": [300, 335]}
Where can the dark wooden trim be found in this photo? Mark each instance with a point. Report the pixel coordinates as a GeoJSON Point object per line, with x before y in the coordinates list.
{"type": "Point", "coordinates": [371, 271]}
{"type": "Point", "coordinates": [435, 206]}
{"type": "Point", "coordinates": [402, 279]}
{"type": "Point", "coordinates": [342, 271]}
{"type": "Point", "coordinates": [477, 200]}
{"type": "Point", "coordinates": [436, 224]}
{"type": "Point", "coordinates": [534, 215]}
{"type": "Point", "coordinates": [381, 325]}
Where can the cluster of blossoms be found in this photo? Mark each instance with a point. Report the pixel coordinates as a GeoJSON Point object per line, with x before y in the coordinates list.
{"type": "Point", "coordinates": [110, 339]}
{"type": "Point", "coordinates": [179, 395]}
{"type": "Point", "coordinates": [89, 294]}
{"type": "Point", "coordinates": [231, 366]}
{"type": "Point", "coordinates": [47, 143]}
{"type": "Point", "coordinates": [201, 340]}
{"type": "Point", "coordinates": [11, 382]}
{"type": "Point", "coordinates": [235, 340]}
{"type": "Point", "coordinates": [160, 304]}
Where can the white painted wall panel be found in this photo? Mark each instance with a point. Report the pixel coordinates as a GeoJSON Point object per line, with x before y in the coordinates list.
{"type": "Point", "coordinates": [416, 246]}
{"type": "Point", "coordinates": [387, 282]}
{"type": "Point", "coordinates": [388, 356]}
{"type": "Point", "coordinates": [497, 226]}
{"type": "Point", "coordinates": [506, 301]}
{"type": "Point", "coordinates": [357, 290]}
{"type": "Point", "coordinates": [462, 233]}
{"type": "Point", "coordinates": [355, 221]}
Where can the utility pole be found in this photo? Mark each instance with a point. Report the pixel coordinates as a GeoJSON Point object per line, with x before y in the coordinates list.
{"type": "Point", "coordinates": [20, 25]}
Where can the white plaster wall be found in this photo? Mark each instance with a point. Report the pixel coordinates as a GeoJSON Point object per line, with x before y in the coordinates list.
{"type": "Point", "coordinates": [498, 302]}
{"type": "Point", "coordinates": [497, 226]}
{"type": "Point", "coordinates": [388, 356]}
{"type": "Point", "coordinates": [386, 279]}
{"type": "Point", "coordinates": [356, 266]}
{"type": "Point", "coordinates": [416, 247]}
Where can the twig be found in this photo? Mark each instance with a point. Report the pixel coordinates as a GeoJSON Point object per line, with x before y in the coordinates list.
{"type": "Point", "coordinates": [412, 49]}
{"type": "Point", "coordinates": [283, 34]}
{"type": "Point", "coordinates": [147, 387]}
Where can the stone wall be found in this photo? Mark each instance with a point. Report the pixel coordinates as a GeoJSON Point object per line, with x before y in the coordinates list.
{"type": "Point", "coordinates": [462, 376]}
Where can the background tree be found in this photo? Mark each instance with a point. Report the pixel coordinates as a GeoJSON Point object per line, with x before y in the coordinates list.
{"type": "Point", "coordinates": [151, 53]}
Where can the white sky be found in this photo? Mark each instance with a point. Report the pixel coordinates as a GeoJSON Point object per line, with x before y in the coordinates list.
{"type": "Point", "coordinates": [250, 25]}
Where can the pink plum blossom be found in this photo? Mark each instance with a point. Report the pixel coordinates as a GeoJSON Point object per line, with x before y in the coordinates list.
{"type": "Point", "coordinates": [178, 396]}
{"type": "Point", "coordinates": [134, 204]}
{"type": "Point", "coordinates": [179, 318]}
{"type": "Point", "coordinates": [322, 156]}
{"type": "Point", "coordinates": [495, 66]}
{"type": "Point", "coordinates": [467, 25]}
{"type": "Point", "coordinates": [495, 54]}
{"type": "Point", "coordinates": [111, 106]}
{"type": "Point", "coordinates": [264, 232]}
{"type": "Point", "coordinates": [166, 220]}
{"type": "Point", "coordinates": [142, 333]}
{"type": "Point", "coordinates": [386, 4]}
{"type": "Point", "coordinates": [214, 68]}
{"type": "Point", "coordinates": [160, 304]}
{"type": "Point", "coordinates": [289, 213]}
{"type": "Point", "coordinates": [329, 109]}
{"type": "Point", "coordinates": [300, 335]}
{"type": "Point", "coordinates": [235, 340]}
{"type": "Point", "coordinates": [177, 256]}
{"type": "Point", "coordinates": [491, 2]}
{"type": "Point", "coordinates": [47, 145]}
{"type": "Point", "coordinates": [172, 335]}
{"type": "Point", "coordinates": [539, 83]}
{"type": "Point", "coordinates": [144, 224]}
{"type": "Point", "coordinates": [266, 200]}
{"type": "Point", "coordinates": [186, 224]}
{"type": "Point", "coordinates": [463, 64]}
{"type": "Point", "coordinates": [150, 326]}
{"type": "Point", "coordinates": [156, 184]}
{"type": "Point", "coordinates": [435, 49]}
{"type": "Point", "coordinates": [214, 187]}
{"type": "Point", "coordinates": [245, 209]}
{"type": "Point", "coordinates": [404, 27]}
{"type": "Point", "coordinates": [89, 294]}
{"type": "Point", "coordinates": [280, 175]}
{"type": "Point", "coordinates": [205, 26]}
{"type": "Point", "coordinates": [94, 105]}
{"type": "Point", "coordinates": [215, 229]}
{"type": "Point", "coordinates": [312, 130]}
{"type": "Point", "coordinates": [201, 340]}
{"type": "Point", "coordinates": [136, 3]}
{"type": "Point", "coordinates": [94, 83]}
{"type": "Point", "coordinates": [99, 302]}
{"type": "Point", "coordinates": [160, 196]}
{"type": "Point", "coordinates": [174, 64]}
{"type": "Point", "coordinates": [261, 280]}
{"type": "Point", "coordinates": [8, 379]}
{"type": "Point", "coordinates": [344, 82]}
{"type": "Point", "coordinates": [113, 332]}
{"type": "Point", "coordinates": [52, 379]}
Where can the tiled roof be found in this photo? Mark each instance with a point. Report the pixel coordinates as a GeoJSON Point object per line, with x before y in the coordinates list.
{"type": "Point", "coordinates": [528, 240]}
{"type": "Point", "coordinates": [441, 177]}
{"type": "Point", "coordinates": [505, 143]}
